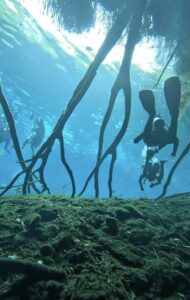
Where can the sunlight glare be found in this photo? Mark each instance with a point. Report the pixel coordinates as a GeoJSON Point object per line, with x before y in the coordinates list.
{"type": "Point", "coordinates": [89, 42]}
{"type": "Point", "coordinates": [11, 6]}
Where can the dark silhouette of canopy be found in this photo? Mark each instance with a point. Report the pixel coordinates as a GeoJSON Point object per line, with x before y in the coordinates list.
{"type": "Point", "coordinates": [169, 19]}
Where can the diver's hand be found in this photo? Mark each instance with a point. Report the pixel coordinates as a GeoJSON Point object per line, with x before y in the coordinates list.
{"type": "Point", "coordinates": [138, 138]}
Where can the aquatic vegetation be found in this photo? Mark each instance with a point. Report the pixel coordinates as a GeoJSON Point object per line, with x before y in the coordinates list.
{"type": "Point", "coordinates": [136, 19]}
{"type": "Point", "coordinates": [92, 249]}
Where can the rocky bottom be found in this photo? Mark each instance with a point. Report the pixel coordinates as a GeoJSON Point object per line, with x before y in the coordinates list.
{"type": "Point", "coordinates": [53, 247]}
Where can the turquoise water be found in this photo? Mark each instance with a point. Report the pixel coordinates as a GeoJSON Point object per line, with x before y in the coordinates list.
{"type": "Point", "coordinates": [38, 79]}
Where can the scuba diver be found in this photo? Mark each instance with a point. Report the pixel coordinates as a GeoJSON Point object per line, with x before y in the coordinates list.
{"type": "Point", "coordinates": [5, 136]}
{"type": "Point", "coordinates": [155, 133]}
{"type": "Point", "coordinates": [36, 138]}
{"type": "Point", "coordinates": [153, 171]}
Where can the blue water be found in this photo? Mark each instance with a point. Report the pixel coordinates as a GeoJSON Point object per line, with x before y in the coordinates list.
{"type": "Point", "coordinates": [34, 84]}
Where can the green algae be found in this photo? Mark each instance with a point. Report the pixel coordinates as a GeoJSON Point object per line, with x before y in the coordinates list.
{"type": "Point", "coordinates": [108, 249]}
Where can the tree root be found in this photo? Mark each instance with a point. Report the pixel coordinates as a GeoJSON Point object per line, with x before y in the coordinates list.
{"type": "Point", "coordinates": [122, 82]}
{"type": "Point", "coordinates": [168, 181]}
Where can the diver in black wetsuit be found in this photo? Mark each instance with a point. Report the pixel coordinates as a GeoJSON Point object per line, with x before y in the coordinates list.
{"type": "Point", "coordinates": [152, 171]}
{"type": "Point", "coordinates": [5, 136]}
{"type": "Point", "coordinates": [37, 136]}
{"type": "Point", "coordinates": [155, 133]}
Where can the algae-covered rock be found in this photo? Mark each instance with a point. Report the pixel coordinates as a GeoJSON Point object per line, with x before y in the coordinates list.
{"type": "Point", "coordinates": [96, 221]}
{"type": "Point", "coordinates": [54, 289]}
{"type": "Point", "coordinates": [46, 250]}
{"type": "Point", "coordinates": [48, 215]}
{"type": "Point", "coordinates": [20, 238]}
{"type": "Point", "coordinates": [104, 249]}
{"type": "Point", "coordinates": [112, 227]}
{"type": "Point", "coordinates": [78, 257]}
{"type": "Point", "coordinates": [140, 236]}
{"type": "Point", "coordinates": [66, 242]}
{"type": "Point", "coordinates": [32, 222]}
{"type": "Point", "coordinates": [122, 214]}
{"type": "Point", "coordinates": [134, 211]}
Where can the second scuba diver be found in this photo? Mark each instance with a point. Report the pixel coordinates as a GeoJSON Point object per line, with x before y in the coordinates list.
{"type": "Point", "coordinates": [36, 138]}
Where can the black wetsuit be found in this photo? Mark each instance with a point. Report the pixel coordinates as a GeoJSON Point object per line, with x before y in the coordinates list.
{"type": "Point", "coordinates": [153, 172]}
{"type": "Point", "coordinates": [5, 136]}
{"type": "Point", "coordinates": [159, 137]}
{"type": "Point", "coordinates": [37, 137]}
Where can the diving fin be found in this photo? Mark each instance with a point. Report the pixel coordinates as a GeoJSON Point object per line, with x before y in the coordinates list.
{"type": "Point", "coordinates": [148, 101]}
{"type": "Point", "coordinates": [172, 92]}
